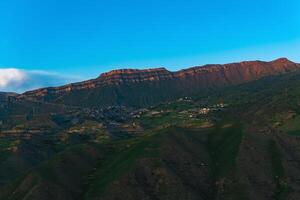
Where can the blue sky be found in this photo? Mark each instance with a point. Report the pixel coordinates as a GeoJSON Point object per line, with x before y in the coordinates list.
{"type": "Point", "coordinates": [78, 39]}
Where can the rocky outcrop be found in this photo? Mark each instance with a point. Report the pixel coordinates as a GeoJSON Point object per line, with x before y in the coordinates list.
{"type": "Point", "coordinates": [134, 75]}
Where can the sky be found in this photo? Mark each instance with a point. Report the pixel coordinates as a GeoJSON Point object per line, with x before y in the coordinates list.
{"type": "Point", "coordinates": [54, 42]}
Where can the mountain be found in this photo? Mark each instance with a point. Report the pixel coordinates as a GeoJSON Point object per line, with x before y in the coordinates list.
{"type": "Point", "coordinates": [133, 87]}
{"type": "Point", "coordinates": [234, 138]}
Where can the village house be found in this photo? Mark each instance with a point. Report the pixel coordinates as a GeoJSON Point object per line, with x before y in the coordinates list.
{"type": "Point", "coordinates": [204, 111]}
{"type": "Point", "coordinates": [186, 99]}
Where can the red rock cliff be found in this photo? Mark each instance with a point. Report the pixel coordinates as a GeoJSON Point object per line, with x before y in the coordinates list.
{"type": "Point", "coordinates": [207, 75]}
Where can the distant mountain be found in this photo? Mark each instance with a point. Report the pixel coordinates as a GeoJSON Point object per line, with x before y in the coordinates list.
{"type": "Point", "coordinates": [143, 87]}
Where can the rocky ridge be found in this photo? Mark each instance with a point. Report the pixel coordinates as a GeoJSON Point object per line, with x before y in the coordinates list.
{"type": "Point", "coordinates": [207, 75]}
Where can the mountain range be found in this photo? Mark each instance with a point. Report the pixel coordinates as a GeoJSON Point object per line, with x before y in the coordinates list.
{"type": "Point", "coordinates": [132, 87]}
{"type": "Point", "coordinates": [209, 132]}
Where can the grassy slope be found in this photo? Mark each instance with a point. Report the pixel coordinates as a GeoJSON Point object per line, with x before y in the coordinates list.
{"type": "Point", "coordinates": [122, 158]}
{"type": "Point", "coordinates": [60, 177]}
{"type": "Point", "coordinates": [278, 172]}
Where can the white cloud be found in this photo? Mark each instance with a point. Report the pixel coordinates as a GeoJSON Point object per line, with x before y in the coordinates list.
{"type": "Point", "coordinates": [19, 80]}
{"type": "Point", "coordinates": [11, 76]}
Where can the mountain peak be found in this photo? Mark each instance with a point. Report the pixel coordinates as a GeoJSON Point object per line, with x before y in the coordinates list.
{"type": "Point", "coordinates": [120, 76]}
{"type": "Point", "coordinates": [282, 60]}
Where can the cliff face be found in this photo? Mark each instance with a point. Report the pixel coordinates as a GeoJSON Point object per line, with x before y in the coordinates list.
{"type": "Point", "coordinates": [195, 77]}
{"type": "Point", "coordinates": [114, 77]}
{"type": "Point", "coordinates": [236, 73]}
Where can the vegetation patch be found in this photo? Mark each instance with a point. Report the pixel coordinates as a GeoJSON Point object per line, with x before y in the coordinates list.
{"type": "Point", "coordinates": [282, 188]}
{"type": "Point", "coordinates": [121, 159]}
{"type": "Point", "coordinates": [292, 126]}
{"type": "Point", "coordinates": [223, 145]}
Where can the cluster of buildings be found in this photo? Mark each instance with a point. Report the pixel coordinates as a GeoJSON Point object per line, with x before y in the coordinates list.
{"type": "Point", "coordinates": [138, 113]}
{"type": "Point", "coordinates": [186, 99]}
{"type": "Point", "coordinates": [206, 110]}
{"type": "Point", "coordinates": [192, 113]}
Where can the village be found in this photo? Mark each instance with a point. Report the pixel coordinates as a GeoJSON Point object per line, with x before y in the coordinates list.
{"type": "Point", "coordinates": [195, 111]}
